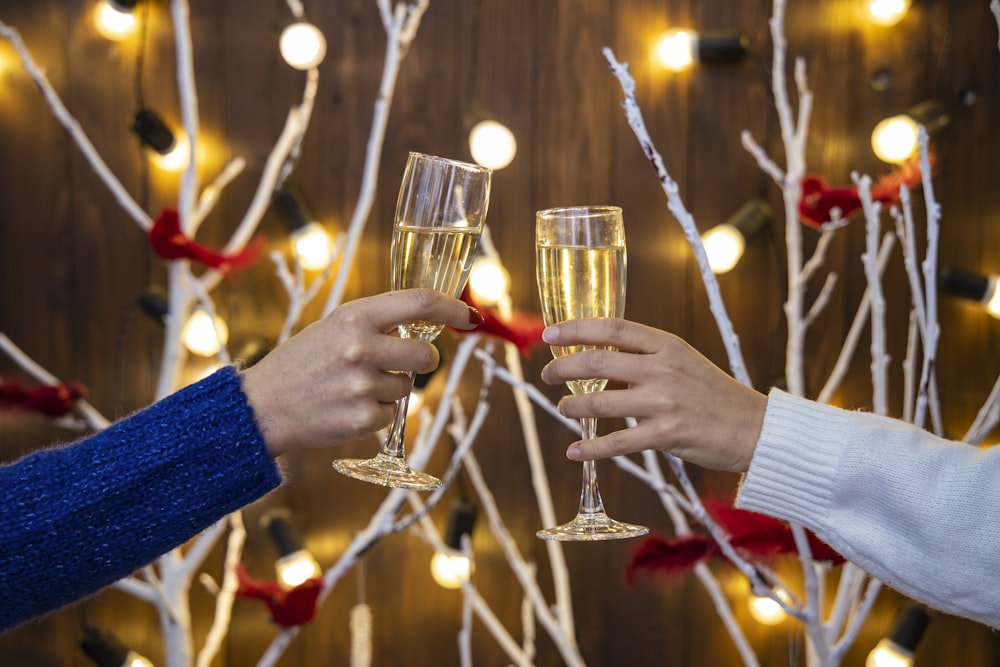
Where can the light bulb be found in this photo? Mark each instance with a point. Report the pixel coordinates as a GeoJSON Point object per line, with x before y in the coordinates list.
{"type": "Point", "coordinates": [488, 281]}
{"type": "Point", "coordinates": [889, 654]}
{"type": "Point", "coordinates": [176, 157]}
{"type": "Point", "coordinates": [492, 144]}
{"type": "Point", "coordinates": [724, 246]}
{"type": "Point", "coordinates": [302, 45]}
{"type": "Point", "coordinates": [313, 246]}
{"type": "Point", "coordinates": [203, 337]}
{"type": "Point", "coordinates": [133, 659]}
{"type": "Point", "coordinates": [766, 610]}
{"type": "Point", "coordinates": [887, 12]}
{"type": "Point", "coordinates": [296, 568]}
{"type": "Point", "coordinates": [895, 139]}
{"type": "Point", "coordinates": [450, 569]}
{"type": "Point", "coordinates": [991, 300]}
{"type": "Point", "coordinates": [675, 49]}
{"type": "Point", "coordinates": [114, 21]}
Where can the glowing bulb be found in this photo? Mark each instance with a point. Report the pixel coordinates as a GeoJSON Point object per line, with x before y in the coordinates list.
{"type": "Point", "coordinates": [887, 12]}
{"type": "Point", "coordinates": [113, 21]}
{"type": "Point", "coordinates": [450, 569]}
{"type": "Point", "coordinates": [133, 659]}
{"type": "Point", "coordinates": [991, 300]}
{"type": "Point", "coordinates": [203, 337]}
{"type": "Point", "coordinates": [766, 610]}
{"type": "Point", "coordinates": [895, 139]}
{"type": "Point", "coordinates": [488, 281]}
{"type": "Point", "coordinates": [313, 246]}
{"type": "Point", "coordinates": [296, 568]}
{"type": "Point", "coordinates": [302, 45]}
{"type": "Point", "coordinates": [492, 144]}
{"type": "Point", "coordinates": [174, 158]}
{"type": "Point", "coordinates": [889, 654]}
{"type": "Point", "coordinates": [724, 245]}
{"type": "Point", "coordinates": [675, 49]}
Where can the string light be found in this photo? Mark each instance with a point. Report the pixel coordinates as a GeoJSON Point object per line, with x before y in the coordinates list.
{"type": "Point", "coordinates": [896, 139]}
{"type": "Point", "coordinates": [725, 243]}
{"type": "Point", "coordinates": [311, 243]}
{"type": "Point", "coordinates": [897, 649]}
{"type": "Point", "coordinates": [203, 335]}
{"type": "Point", "coordinates": [766, 610]}
{"type": "Point", "coordinates": [169, 152]}
{"type": "Point", "coordinates": [302, 45]}
{"type": "Point", "coordinates": [489, 281]}
{"type": "Point", "coordinates": [450, 567]}
{"type": "Point", "coordinates": [887, 12]}
{"type": "Point", "coordinates": [115, 19]}
{"type": "Point", "coordinates": [677, 49]}
{"type": "Point", "coordinates": [295, 565]}
{"type": "Point", "coordinates": [972, 286]}
{"type": "Point", "coordinates": [106, 650]}
{"type": "Point", "coordinates": [492, 144]}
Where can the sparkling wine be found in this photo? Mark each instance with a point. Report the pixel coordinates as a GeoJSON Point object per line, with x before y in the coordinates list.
{"type": "Point", "coordinates": [579, 282]}
{"type": "Point", "coordinates": [433, 257]}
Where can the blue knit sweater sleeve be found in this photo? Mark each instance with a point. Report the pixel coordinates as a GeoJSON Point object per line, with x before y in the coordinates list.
{"type": "Point", "coordinates": [79, 517]}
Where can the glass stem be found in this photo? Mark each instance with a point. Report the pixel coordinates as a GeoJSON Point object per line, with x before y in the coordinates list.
{"type": "Point", "coordinates": [590, 496]}
{"type": "Point", "coordinates": [393, 445]}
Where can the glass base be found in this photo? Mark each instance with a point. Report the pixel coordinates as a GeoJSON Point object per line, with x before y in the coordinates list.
{"type": "Point", "coordinates": [592, 528]}
{"type": "Point", "coordinates": [387, 470]}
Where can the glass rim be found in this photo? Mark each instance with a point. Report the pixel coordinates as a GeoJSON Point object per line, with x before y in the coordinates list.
{"type": "Point", "coordinates": [468, 166]}
{"type": "Point", "coordinates": [580, 211]}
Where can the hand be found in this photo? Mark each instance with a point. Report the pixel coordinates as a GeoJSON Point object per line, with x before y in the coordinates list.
{"type": "Point", "coordinates": [339, 378]}
{"type": "Point", "coordinates": [682, 402]}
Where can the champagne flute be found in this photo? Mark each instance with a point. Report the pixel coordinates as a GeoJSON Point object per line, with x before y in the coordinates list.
{"type": "Point", "coordinates": [439, 219]}
{"type": "Point", "coordinates": [580, 268]}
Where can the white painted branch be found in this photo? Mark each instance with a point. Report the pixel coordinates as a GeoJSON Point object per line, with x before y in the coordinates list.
{"type": "Point", "coordinates": [263, 194]}
{"type": "Point", "coordinates": [72, 126]}
{"type": "Point", "coordinates": [879, 356]}
{"type": "Point", "coordinates": [137, 589]}
{"type": "Point", "coordinates": [987, 417]}
{"type": "Point", "coordinates": [227, 592]}
{"type": "Point", "coordinates": [305, 115]}
{"type": "Point", "coordinates": [565, 644]}
{"type": "Point", "coordinates": [725, 612]}
{"type": "Point", "coordinates": [857, 327]}
{"type": "Point", "coordinates": [766, 164]}
{"type": "Point", "coordinates": [87, 411]}
{"type": "Point", "coordinates": [995, 8]}
{"type": "Point", "coordinates": [496, 629]}
{"type": "Point", "coordinates": [930, 278]}
{"type": "Point", "coordinates": [635, 120]}
{"type": "Point", "coordinates": [210, 195]}
{"type": "Point", "coordinates": [848, 638]}
{"type": "Point", "coordinates": [180, 15]}
{"type": "Point", "coordinates": [400, 27]}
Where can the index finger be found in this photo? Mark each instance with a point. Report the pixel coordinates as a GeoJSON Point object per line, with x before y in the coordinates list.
{"type": "Point", "coordinates": [389, 310]}
{"type": "Point", "coordinates": [622, 334]}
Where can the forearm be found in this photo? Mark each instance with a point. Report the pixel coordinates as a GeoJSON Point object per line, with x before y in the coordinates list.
{"type": "Point", "coordinates": [919, 513]}
{"type": "Point", "coordinates": [79, 517]}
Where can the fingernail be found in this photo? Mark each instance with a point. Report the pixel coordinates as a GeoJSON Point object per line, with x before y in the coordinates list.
{"type": "Point", "coordinates": [475, 317]}
{"type": "Point", "coordinates": [551, 334]}
{"type": "Point", "coordinates": [574, 453]}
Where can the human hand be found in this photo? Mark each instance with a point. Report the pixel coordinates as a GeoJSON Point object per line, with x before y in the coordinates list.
{"type": "Point", "coordinates": [683, 404]}
{"type": "Point", "coordinates": [339, 378]}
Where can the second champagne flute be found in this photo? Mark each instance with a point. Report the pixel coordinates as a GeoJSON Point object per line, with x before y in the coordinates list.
{"type": "Point", "coordinates": [580, 268]}
{"type": "Point", "coordinates": [439, 219]}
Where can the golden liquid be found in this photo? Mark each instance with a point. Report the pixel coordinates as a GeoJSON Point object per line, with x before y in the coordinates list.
{"type": "Point", "coordinates": [577, 282]}
{"type": "Point", "coordinates": [432, 257]}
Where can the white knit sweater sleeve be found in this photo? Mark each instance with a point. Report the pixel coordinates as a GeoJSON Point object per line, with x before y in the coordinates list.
{"type": "Point", "coordinates": [919, 513]}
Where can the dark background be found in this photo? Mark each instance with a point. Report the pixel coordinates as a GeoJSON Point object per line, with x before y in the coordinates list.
{"type": "Point", "coordinates": [72, 264]}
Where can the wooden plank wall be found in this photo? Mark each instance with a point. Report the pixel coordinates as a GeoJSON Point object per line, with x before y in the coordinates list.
{"type": "Point", "coordinates": [72, 265]}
